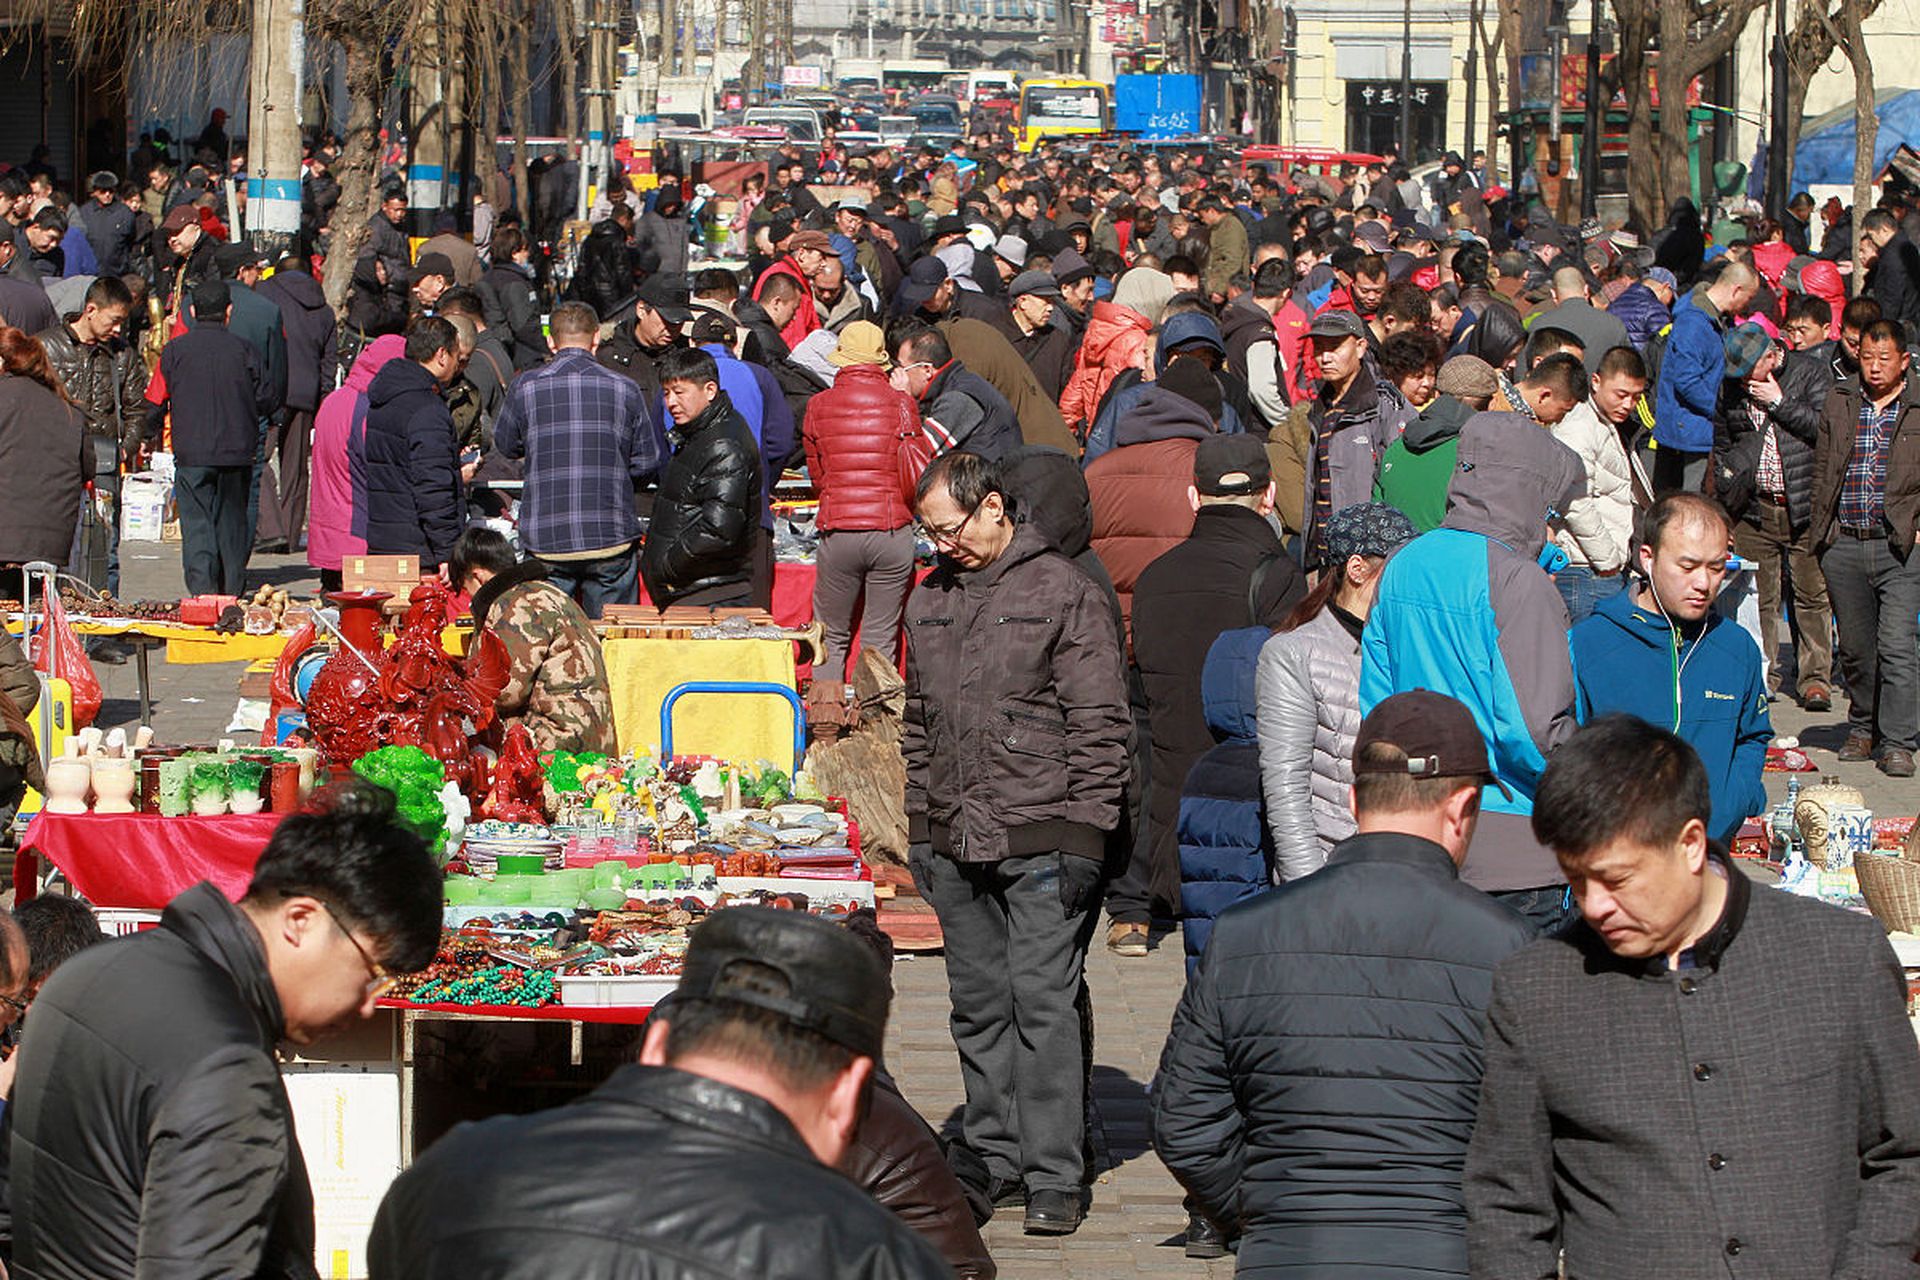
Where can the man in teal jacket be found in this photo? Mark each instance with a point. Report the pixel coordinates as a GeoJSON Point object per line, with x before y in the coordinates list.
{"type": "Point", "coordinates": [1664, 654]}
{"type": "Point", "coordinates": [1468, 610]}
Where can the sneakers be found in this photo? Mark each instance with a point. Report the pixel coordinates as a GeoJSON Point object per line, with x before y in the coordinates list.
{"type": "Point", "coordinates": [1896, 762]}
{"type": "Point", "coordinates": [1204, 1240]}
{"type": "Point", "coordinates": [1858, 747]}
{"type": "Point", "coordinates": [1817, 698]}
{"type": "Point", "coordinates": [1055, 1213]}
{"type": "Point", "coordinates": [1125, 939]}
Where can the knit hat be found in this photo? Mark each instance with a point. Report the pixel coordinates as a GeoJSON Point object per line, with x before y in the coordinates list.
{"type": "Point", "coordinates": [861, 342]}
{"type": "Point", "coordinates": [1366, 529]}
{"type": "Point", "coordinates": [1467, 378]}
{"type": "Point", "coordinates": [1660, 275]}
{"type": "Point", "coordinates": [1069, 266]}
{"type": "Point", "coordinates": [1745, 346]}
{"type": "Point", "coordinates": [1195, 382]}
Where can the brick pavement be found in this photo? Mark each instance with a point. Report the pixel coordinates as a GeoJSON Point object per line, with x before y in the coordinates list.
{"type": "Point", "coordinates": [1136, 1222]}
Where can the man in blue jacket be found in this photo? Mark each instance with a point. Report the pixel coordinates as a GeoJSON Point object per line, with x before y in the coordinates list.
{"type": "Point", "coordinates": [1665, 654]}
{"type": "Point", "coordinates": [1695, 363]}
{"type": "Point", "coordinates": [1468, 610]}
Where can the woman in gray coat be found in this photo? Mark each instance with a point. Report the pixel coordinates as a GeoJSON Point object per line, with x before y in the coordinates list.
{"type": "Point", "coordinates": [661, 233]}
{"type": "Point", "coordinates": [1308, 691]}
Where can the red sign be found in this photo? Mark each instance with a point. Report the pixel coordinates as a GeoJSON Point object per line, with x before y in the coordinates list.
{"type": "Point", "coordinates": [1573, 83]}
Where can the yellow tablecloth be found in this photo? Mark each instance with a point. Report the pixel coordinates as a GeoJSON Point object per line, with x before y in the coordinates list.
{"type": "Point", "coordinates": [743, 727]}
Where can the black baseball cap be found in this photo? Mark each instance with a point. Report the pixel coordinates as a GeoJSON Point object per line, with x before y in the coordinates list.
{"type": "Point", "coordinates": [1436, 734]}
{"type": "Point", "coordinates": [667, 292]}
{"type": "Point", "coordinates": [828, 981]}
{"type": "Point", "coordinates": [230, 259]}
{"type": "Point", "coordinates": [1231, 466]}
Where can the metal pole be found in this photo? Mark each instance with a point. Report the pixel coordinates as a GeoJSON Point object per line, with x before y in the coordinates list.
{"type": "Point", "coordinates": [1777, 160]}
{"type": "Point", "coordinates": [1406, 82]}
{"type": "Point", "coordinates": [1590, 132]}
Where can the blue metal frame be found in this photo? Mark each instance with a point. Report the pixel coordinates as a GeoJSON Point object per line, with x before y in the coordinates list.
{"type": "Point", "coordinates": [736, 686]}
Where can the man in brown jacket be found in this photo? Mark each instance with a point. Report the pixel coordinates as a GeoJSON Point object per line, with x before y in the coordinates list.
{"type": "Point", "coordinates": [1017, 757]}
{"type": "Point", "coordinates": [1866, 503]}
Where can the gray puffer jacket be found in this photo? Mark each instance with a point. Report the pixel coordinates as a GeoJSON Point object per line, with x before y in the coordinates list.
{"type": "Point", "coordinates": [1308, 687]}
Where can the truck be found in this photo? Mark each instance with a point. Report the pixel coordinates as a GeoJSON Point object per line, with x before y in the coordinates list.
{"type": "Point", "coordinates": [857, 75]}
{"type": "Point", "coordinates": [685, 102]}
{"type": "Point", "coordinates": [1157, 106]}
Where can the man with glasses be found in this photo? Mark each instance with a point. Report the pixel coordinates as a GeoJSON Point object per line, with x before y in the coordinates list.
{"type": "Point", "coordinates": [1016, 741]}
{"type": "Point", "coordinates": [153, 1135]}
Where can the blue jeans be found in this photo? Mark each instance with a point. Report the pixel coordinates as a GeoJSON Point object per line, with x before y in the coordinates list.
{"type": "Point", "coordinates": [1583, 590]}
{"type": "Point", "coordinates": [597, 583]}
{"type": "Point", "coordinates": [1548, 909]}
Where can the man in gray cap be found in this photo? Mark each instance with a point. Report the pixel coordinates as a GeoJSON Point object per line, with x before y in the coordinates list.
{"type": "Point", "coordinates": [108, 224]}
{"type": "Point", "coordinates": [1048, 351]}
{"type": "Point", "coordinates": [751, 1081]}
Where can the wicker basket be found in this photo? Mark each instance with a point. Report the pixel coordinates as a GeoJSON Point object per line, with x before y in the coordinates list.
{"type": "Point", "coordinates": [1891, 886]}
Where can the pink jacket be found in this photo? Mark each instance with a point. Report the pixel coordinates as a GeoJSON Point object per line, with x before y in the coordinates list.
{"type": "Point", "coordinates": [337, 431]}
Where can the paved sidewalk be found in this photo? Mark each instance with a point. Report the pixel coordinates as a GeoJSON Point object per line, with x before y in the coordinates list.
{"type": "Point", "coordinates": [1136, 1225]}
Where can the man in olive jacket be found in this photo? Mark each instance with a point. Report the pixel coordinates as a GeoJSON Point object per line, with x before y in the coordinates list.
{"type": "Point", "coordinates": [1663, 1096]}
{"type": "Point", "coordinates": [1016, 745]}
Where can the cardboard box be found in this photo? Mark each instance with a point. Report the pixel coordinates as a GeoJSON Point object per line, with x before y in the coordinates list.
{"type": "Point", "coordinates": [397, 575]}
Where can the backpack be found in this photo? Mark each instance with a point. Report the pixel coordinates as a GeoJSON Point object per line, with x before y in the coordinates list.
{"type": "Point", "coordinates": [1654, 354]}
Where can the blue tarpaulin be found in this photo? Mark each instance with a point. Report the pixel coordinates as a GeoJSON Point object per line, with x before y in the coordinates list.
{"type": "Point", "coordinates": [1825, 154]}
{"type": "Point", "coordinates": [1157, 106]}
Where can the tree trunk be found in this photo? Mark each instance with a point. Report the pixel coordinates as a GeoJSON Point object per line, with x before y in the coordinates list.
{"type": "Point", "coordinates": [518, 91]}
{"type": "Point", "coordinates": [1866, 123]}
{"type": "Point", "coordinates": [566, 23]}
{"type": "Point", "coordinates": [1509, 42]}
{"type": "Point", "coordinates": [1644, 197]}
{"type": "Point", "coordinates": [1490, 60]}
{"type": "Point", "coordinates": [359, 165]}
{"type": "Point", "coordinates": [485, 60]}
{"type": "Point", "coordinates": [1811, 42]}
{"type": "Point", "coordinates": [1676, 72]}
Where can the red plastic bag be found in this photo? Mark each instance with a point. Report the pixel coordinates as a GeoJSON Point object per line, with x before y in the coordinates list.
{"type": "Point", "coordinates": [58, 652]}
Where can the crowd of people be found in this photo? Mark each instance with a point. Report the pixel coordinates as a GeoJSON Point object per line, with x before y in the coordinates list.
{"type": "Point", "coordinates": [1344, 571]}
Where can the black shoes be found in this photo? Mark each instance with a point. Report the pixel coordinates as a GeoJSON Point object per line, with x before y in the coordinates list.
{"type": "Point", "coordinates": [1204, 1240]}
{"type": "Point", "coordinates": [1055, 1213]}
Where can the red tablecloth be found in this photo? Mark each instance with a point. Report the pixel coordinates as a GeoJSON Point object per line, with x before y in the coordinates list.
{"type": "Point", "coordinates": [140, 860]}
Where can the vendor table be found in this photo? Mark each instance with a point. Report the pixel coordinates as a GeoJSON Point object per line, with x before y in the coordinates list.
{"type": "Point", "coordinates": [142, 860]}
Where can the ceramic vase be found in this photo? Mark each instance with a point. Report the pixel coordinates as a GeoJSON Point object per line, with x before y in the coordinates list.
{"type": "Point", "coordinates": [67, 781]}
{"type": "Point", "coordinates": [1813, 814]}
{"type": "Point", "coordinates": [343, 693]}
{"type": "Point", "coordinates": [173, 786]}
{"type": "Point", "coordinates": [113, 784]}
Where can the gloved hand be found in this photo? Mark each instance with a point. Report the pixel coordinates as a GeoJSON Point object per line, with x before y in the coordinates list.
{"type": "Point", "coordinates": [1081, 883]}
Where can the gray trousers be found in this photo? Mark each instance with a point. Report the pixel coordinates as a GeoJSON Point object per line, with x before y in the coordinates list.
{"type": "Point", "coordinates": [1876, 602]}
{"type": "Point", "coordinates": [851, 561]}
{"type": "Point", "coordinates": [1772, 544]}
{"type": "Point", "coordinates": [1016, 935]}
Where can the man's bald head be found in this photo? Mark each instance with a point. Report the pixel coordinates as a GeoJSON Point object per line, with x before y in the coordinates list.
{"type": "Point", "coordinates": [1568, 284]}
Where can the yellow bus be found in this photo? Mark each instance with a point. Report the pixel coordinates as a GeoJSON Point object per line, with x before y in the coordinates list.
{"type": "Point", "coordinates": [1057, 108]}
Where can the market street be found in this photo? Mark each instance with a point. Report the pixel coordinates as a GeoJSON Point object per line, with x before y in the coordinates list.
{"type": "Point", "coordinates": [1137, 1221]}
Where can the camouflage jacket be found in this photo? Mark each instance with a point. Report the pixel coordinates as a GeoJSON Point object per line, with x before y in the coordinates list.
{"type": "Point", "coordinates": [558, 683]}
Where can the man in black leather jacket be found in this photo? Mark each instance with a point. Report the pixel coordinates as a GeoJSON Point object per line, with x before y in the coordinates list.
{"type": "Point", "coordinates": [152, 1134]}
{"type": "Point", "coordinates": [105, 377]}
{"type": "Point", "coordinates": [705, 1160]}
{"type": "Point", "coordinates": [699, 546]}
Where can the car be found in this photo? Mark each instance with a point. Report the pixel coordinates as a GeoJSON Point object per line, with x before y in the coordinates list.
{"type": "Point", "coordinates": [802, 124]}
{"type": "Point", "coordinates": [929, 113]}
{"type": "Point", "coordinates": [897, 129]}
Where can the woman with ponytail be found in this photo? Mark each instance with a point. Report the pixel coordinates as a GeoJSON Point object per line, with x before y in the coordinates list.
{"type": "Point", "coordinates": [45, 459]}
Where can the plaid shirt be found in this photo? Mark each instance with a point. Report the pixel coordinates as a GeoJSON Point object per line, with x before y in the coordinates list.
{"type": "Point", "coordinates": [587, 436]}
{"type": "Point", "coordinates": [1771, 476]}
{"type": "Point", "coordinates": [1863, 492]}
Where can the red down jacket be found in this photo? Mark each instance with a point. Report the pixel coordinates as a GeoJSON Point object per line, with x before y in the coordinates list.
{"type": "Point", "coordinates": [850, 433]}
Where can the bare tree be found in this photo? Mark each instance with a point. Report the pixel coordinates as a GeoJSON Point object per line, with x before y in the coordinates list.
{"type": "Point", "coordinates": [1848, 38]}
{"type": "Point", "coordinates": [1810, 44]}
